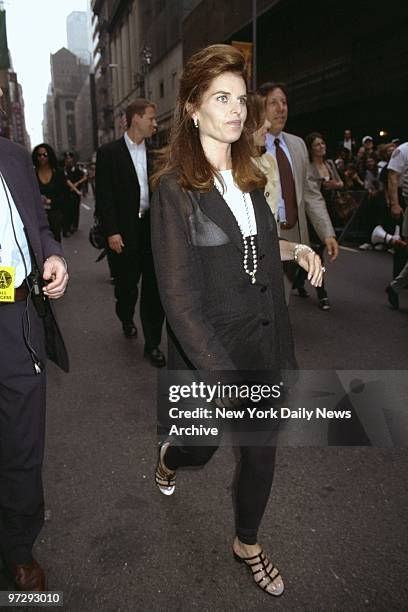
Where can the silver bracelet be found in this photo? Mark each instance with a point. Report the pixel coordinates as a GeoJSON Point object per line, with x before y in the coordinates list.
{"type": "Point", "coordinates": [300, 247]}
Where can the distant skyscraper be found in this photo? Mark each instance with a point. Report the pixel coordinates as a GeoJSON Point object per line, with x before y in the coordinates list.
{"type": "Point", "coordinates": [77, 35]}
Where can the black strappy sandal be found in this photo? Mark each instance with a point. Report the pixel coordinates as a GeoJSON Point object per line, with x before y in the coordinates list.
{"type": "Point", "coordinates": [165, 481]}
{"type": "Point", "coordinates": [265, 574]}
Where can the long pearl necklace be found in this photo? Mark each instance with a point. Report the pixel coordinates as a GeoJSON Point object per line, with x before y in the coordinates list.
{"type": "Point", "coordinates": [249, 241]}
{"type": "Point", "coordinates": [251, 273]}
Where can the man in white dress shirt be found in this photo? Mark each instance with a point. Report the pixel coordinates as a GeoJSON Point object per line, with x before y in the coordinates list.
{"type": "Point", "coordinates": [122, 205]}
{"type": "Point", "coordinates": [348, 143]}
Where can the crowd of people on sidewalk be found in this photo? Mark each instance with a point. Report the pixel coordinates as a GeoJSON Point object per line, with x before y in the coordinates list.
{"type": "Point", "coordinates": [353, 182]}
{"type": "Point", "coordinates": [217, 230]}
{"type": "Point", "coordinates": [364, 172]}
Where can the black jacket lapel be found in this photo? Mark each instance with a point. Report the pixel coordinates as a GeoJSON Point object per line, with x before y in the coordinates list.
{"type": "Point", "coordinates": [263, 222]}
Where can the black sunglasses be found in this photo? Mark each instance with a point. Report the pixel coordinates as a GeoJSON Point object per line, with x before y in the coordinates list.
{"type": "Point", "coordinates": [42, 154]}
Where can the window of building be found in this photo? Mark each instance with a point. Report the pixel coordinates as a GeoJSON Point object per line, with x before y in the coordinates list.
{"type": "Point", "coordinates": [161, 89]}
{"type": "Point", "coordinates": [71, 133]}
{"type": "Point", "coordinates": [174, 80]}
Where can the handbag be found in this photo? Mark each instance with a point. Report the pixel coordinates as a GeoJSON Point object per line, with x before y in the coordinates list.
{"type": "Point", "coordinates": [344, 204]}
{"type": "Point", "coordinates": [54, 342]}
{"type": "Point", "coordinates": [96, 237]}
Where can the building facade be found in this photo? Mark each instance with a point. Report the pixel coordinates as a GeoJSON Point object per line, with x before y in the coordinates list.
{"type": "Point", "coordinates": [68, 75]}
{"type": "Point", "coordinates": [12, 119]}
{"type": "Point", "coordinates": [342, 62]}
{"type": "Point", "coordinates": [103, 117]}
{"type": "Point", "coordinates": [48, 124]}
{"type": "Point", "coordinates": [83, 119]}
{"type": "Point", "coordinates": [139, 54]}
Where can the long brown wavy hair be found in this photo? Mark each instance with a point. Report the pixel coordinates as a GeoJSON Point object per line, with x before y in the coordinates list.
{"type": "Point", "coordinates": [184, 154]}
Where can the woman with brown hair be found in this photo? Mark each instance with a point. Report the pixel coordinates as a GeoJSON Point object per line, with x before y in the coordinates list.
{"type": "Point", "coordinates": [218, 266]}
{"type": "Point", "coordinates": [325, 173]}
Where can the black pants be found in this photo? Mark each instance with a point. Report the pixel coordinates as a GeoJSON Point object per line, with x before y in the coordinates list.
{"type": "Point", "coordinates": [135, 262]}
{"type": "Point", "coordinates": [54, 217]}
{"type": "Point", "coordinates": [76, 201]}
{"type": "Point", "coordinates": [301, 275]}
{"type": "Point", "coordinates": [70, 219]}
{"type": "Point", "coordinates": [22, 429]}
{"type": "Point", "coordinates": [253, 483]}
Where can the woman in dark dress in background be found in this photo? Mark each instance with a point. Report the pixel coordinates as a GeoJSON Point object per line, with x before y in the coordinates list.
{"type": "Point", "coordinates": [53, 186]}
{"type": "Point", "coordinates": [219, 273]}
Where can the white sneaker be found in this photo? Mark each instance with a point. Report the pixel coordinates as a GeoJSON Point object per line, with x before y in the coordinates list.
{"type": "Point", "coordinates": [366, 247]}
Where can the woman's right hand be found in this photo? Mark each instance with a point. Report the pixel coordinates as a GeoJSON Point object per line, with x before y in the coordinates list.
{"type": "Point", "coordinates": [311, 262]}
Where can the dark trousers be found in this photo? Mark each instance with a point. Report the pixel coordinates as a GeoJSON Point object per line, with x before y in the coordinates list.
{"type": "Point", "coordinates": [112, 260]}
{"type": "Point", "coordinates": [70, 218]}
{"type": "Point", "coordinates": [135, 262]}
{"type": "Point", "coordinates": [54, 217]}
{"type": "Point", "coordinates": [22, 430]}
{"type": "Point", "coordinates": [301, 275]}
{"type": "Point", "coordinates": [253, 483]}
{"type": "Point", "coordinates": [76, 201]}
{"type": "Point", "coordinates": [66, 216]}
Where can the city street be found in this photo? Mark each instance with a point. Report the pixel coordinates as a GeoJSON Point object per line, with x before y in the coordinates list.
{"type": "Point", "coordinates": [337, 521]}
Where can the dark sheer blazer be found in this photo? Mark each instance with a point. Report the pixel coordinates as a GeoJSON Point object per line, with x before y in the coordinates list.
{"type": "Point", "coordinates": [118, 190]}
{"type": "Point", "coordinates": [217, 319]}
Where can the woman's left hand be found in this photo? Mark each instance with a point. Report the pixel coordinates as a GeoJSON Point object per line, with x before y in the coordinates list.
{"type": "Point", "coordinates": [312, 263]}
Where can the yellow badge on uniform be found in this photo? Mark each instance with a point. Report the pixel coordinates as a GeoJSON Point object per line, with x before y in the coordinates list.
{"type": "Point", "coordinates": [7, 274]}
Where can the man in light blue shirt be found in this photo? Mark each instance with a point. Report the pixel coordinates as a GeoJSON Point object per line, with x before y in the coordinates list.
{"type": "Point", "coordinates": [271, 148]}
{"type": "Point", "coordinates": [26, 246]}
{"type": "Point", "coordinates": [13, 242]}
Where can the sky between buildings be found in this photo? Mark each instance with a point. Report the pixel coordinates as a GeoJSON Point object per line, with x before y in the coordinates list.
{"type": "Point", "coordinates": [36, 28]}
